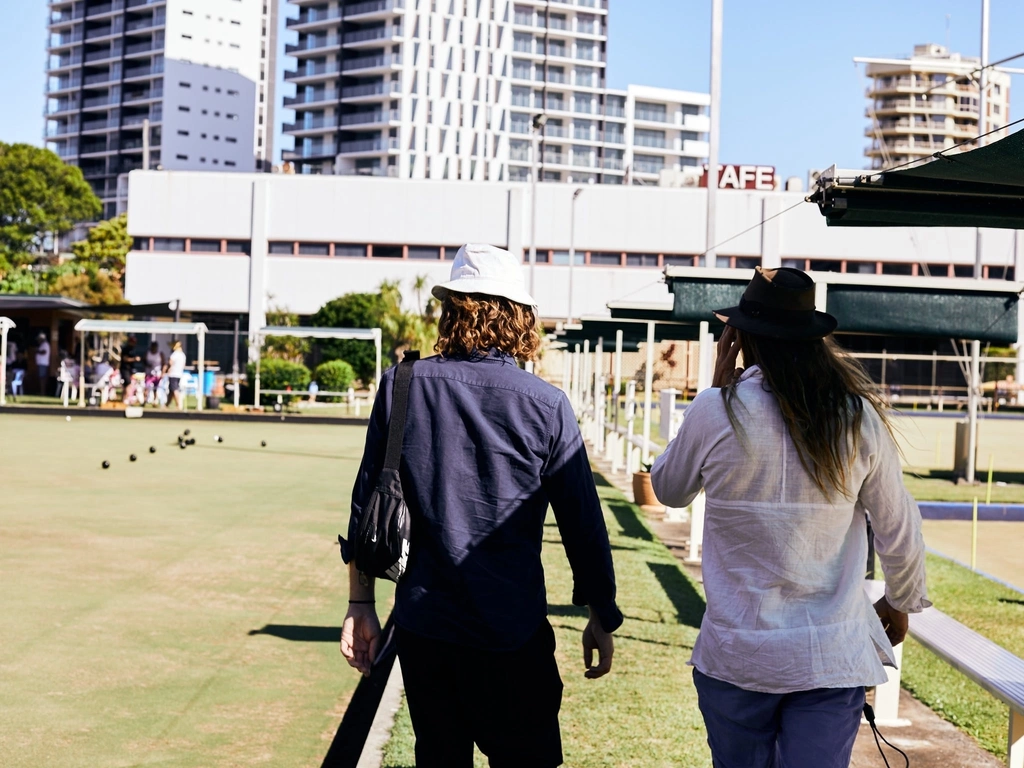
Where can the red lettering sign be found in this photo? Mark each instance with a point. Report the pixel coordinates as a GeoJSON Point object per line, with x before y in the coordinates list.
{"type": "Point", "coordinates": [759, 177]}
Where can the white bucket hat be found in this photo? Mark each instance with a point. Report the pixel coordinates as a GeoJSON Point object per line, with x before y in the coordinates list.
{"type": "Point", "coordinates": [488, 270]}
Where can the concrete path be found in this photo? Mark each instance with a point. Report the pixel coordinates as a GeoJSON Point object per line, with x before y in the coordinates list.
{"type": "Point", "coordinates": [930, 741]}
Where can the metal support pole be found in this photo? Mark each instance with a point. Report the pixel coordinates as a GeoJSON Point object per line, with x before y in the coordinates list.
{"type": "Point", "coordinates": [648, 386]}
{"type": "Point", "coordinates": [972, 410]}
{"type": "Point", "coordinates": [599, 415]}
{"type": "Point", "coordinates": [259, 356]}
{"type": "Point", "coordinates": [567, 372]}
{"type": "Point", "coordinates": [576, 369]}
{"type": "Point", "coordinates": [235, 373]}
{"type": "Point", "coordinates": [714, 113]}
{"type": "Point", "coordinates": [538, 125]}
{"type": "Point", "coordinates": [586, 367]}
{"type": "Point", "coordinates": [3, 364]}
{"type": "Point", "coordinates": [630, 424]}
{"type": "Point", "coordinates": [145, 144]}
{"type": "Point", "coordinates": [705, 349]}
{"type": "Point", "coordinates": [81, 369]}
{"type": "Point", "coordinates": [617, 380]}
{"type": "Point", "coordinates": [201, 368]}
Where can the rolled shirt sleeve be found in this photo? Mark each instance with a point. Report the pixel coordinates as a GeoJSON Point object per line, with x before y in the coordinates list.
{"type": "Point", "coordinates": [676, 474]}
{"type": "Point", "coordinates": [569, 484]}
{"type": "Point", "coordinates": [895, 520]}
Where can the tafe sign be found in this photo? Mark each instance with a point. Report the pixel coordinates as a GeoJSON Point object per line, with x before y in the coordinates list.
{"type": "Point", "coordinates": [759, 177]}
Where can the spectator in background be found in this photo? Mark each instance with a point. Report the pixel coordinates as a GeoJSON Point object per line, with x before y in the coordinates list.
{"type": "Point", "coordinates": [175, 370]}
{"type": "Point", "coordinates": [155, 363]}
{"type": "Point", "coordinates": [43, 363]}
{"type": "Point", "coordinates": [128, 359]}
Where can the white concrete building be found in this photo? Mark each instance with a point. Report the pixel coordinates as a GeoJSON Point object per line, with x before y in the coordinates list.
{"type": "Point", "coordinates": [240, 243]}
{"type": "Point", "coordinates": [447, 89]}
{"type": "Point", "coordinates": [928, 102]}
{"type": "Point", "coordinates": [200, 71]}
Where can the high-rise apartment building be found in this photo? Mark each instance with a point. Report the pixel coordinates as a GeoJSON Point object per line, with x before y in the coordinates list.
{"type": "Point", "coordinates": [928, 102]}
{"type": "Point", "coordinates": [201, 72]}
{"type": "Point", "coordinates": [451, 89]}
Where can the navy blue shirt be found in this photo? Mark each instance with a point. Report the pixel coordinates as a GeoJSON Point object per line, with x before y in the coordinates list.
{"type": "Point", "coordinates": [487, 448]}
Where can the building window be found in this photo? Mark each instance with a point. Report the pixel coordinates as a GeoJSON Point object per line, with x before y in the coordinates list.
{"type": "Point", "coordinates": [349, 249]}
{"type": "Point", "coordinates": [424, 252]}
{"type": "Point", "coordinates": [140, 244]}
{"type": "Point", "coordinates": [182, 133]}
{"type": "Point", "coordinates": [1001, 273]}
{"type": "Point", "coordinates": [856, 267]}
{"type": "Point", "coordinates": [183, 108]}
{"type": "Point", "coordinates": [232, 93]}
{"type": "Point", "coordinates": [230, 163]}
{"type": "Point", "coordinates": [897, 269]}
{"type": "Point", "coordinates": [238, 246]}
{"type": "Point", "coordinates": [387, 251]}
{"type": "Point", "coordinates": [231, 116]}
{"type": "Point", "coordinates": [605, 259]}
{"type": "Point", "coordinates": [641, 259]}
{"type": "Point", "coordinates": [314, 249]}
{"type": "Point", "coordinates": [181, 157]}
{"type": "Point", "coordinates": [230, 139]}
{"type": "Point", "coordinates": [820, 265]}
{"type": "Point", "coordinates": [679, 261]}
{"type": "Point", "coordinates": [169, 244]}
{"type": "Point", "coordinates": [963, 270]}
{"type": "Point", "coordinates": [204, 246]}
{"type": "Point", "coordinates": [280, 249]}
{"type": "Point", "coordinates": [185, 85]}
{"type": "Point", "coordinates": [751, 262]}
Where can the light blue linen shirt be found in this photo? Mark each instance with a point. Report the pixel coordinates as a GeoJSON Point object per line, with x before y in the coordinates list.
{"type": "Point", "coordinates": [784, 565]}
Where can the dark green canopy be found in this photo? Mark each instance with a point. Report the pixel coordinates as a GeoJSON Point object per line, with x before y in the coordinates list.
{"type": "Point", "coordinates": [982, 187]}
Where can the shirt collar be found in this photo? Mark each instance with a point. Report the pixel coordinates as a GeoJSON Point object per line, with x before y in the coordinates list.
{"type": "Point", "coordinates": [753, 371]}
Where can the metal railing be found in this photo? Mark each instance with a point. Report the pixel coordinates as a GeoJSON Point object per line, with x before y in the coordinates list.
{"type": "Point", "coordinates": [92, 34]}
{"type": "Point", "coordinates": [312, 42]}
{"type": "Point", "coordinates": [315, 150]}
{"type": "Point", "coordinates": [311, 16]}
{"type": "Point", "coordinates": [369, 62]}
{"type": "Point", "coordinates": [373, 6]}
{"type": "Point", "coordinates": [649, 141]}
{"type": "Point", "coordinates": [650, 115]}
{"type": "Point", "coordinates": [367, 145]}
{"type": "Point", "coordinates": [370, 118]}
{"type": "Point", "coordinates": [611, 110]}
{"type": "Point", "coordinates": [388, 88]}
{"type": "Point", "coordinates": [381, 170]}
{"type": "Point", "coordinates": [99, 55]}
{"type": "Point", "coordinates": [140, 47]}
{"type": "Point", "coordinates": [312, 69]}
{"type": "Point", "coordinates": [365, 35]}
{"type": "Point", "coordinates": [643, 167]}
{"type": "Point", "coordinates": [317, 96]}
{"type": "Point", "coordinates": [156, 20]}
{"type": "Point", "coordinates": [612, 163]}
{"type": "Point", "coordinates": [66, 38]}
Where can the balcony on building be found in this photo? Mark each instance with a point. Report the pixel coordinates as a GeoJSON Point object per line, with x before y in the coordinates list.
{"type": "Point", "coordinates": [373, 9]}
{"type": "Point", "coordinates": [370, 64]}
{"type": "Point", "coordinates": [310, 70]}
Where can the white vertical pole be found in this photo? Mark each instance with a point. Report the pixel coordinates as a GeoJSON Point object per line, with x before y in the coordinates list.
{"type": "Point", "coordinates": [566, 368]}
{"type": "Point", "coordinates": [81, 370]}
{"type": "Point", "coordinates": [572, 250]}
{"type": "Point", "coordinates": [377, 342]}
{"type": "Point", "coordinates": [576, 370]}
{"type": "Point", "coordinates": [648, 386]}
{"type": "Point", "coordinates": [714, 113]}
{"type": "Point", "coordinates": [3, 364]}
{"type": "Point", "coordinates": [533, 209]}
{"type": "Point", "coordinates": [585, 365]}
{"type": "Point", "coordinates": [258, 343]}
{"type": "Point", "coordinates": [972, 410]}
{"type": "Point", "coordinates": [145, 144]}
{"type": "Point", "coordinates": [599, 415]}
{"type": "Point", "coordinates": [887, 695]}
{"type": "Point", "coordinates": [200, 397]}
{"type": "Point", "coordinates": [704, 357]}
{"type": "Point", "coordinates": [630, 424]}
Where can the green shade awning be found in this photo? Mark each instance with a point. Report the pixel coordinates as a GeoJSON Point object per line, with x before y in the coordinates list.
{"type": "Point", "coordinates": [981, 187]}
{"type": "Point", "coordinates": [885, 305]}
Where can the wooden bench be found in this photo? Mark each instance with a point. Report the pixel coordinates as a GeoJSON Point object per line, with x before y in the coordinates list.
{"type": "Point", "coordinates": [989, 665]}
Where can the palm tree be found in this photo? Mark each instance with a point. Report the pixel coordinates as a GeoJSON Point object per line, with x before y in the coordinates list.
{"type": "Point", "coordinates": [419, 284]}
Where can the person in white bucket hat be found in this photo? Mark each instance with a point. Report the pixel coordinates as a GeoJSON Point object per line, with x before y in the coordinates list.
{"type": "Point", "coordinates": [486, 448]}
{"type": "Point", "coordinates": [487, 270]}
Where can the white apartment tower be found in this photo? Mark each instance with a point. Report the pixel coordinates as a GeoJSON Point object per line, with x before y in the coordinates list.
{"type": "Point", "coordinates": [928, 102]}
{"type": "Point", "coordinates": [201, 72]}
{"type": "Point", "coordinates": [451, 89]}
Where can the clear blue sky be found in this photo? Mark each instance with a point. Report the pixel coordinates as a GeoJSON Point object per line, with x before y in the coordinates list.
{"type": "Point", "coordinates": [791, 95]}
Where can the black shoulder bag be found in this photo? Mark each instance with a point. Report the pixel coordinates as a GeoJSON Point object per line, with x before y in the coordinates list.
{"type": "Point", "coordinates": [379, 538]}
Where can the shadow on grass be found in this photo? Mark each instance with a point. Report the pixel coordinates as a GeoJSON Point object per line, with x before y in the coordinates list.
{"type": "Point", "coordinates": [270, 452]}
{"type": "Point", "coordinates": [300, 633]}
{"type": "Point", "coordinates": [601, 482]}
{"type": "Point", "coordinates": [621, 636]}
{"type": "Point", "coordinates": [688, 604]}
{"type": "Point", "coordinates": [625, 516]}
{"type": "Point", "coordinates": [1011, 601]}
{"type": "Point", "coordinates": [1011, 478]}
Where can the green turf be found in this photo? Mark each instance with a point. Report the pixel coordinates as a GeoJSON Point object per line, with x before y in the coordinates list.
{"type": "Point", "coordinates": [645, 712]}
{"type": "Point", "coordinates": [988, 608]}
{"type": "Point", "coordinates": [182, 610]}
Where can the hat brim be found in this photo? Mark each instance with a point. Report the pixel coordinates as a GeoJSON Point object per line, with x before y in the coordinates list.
{"type": "Point", "coordinates": [486, 287]}
{"type": "Point", "coordinates": [820, 326]}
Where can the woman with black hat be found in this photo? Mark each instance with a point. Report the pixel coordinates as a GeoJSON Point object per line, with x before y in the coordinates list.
{"type": "Point", "coordinates": [795, 453]}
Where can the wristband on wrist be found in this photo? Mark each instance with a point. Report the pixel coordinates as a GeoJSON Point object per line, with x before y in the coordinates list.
{"type": "Point", "coordinates": [361, 602]}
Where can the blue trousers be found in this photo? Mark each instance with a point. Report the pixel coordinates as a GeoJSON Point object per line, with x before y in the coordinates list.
{"type": "Point", "coordinates": [807, 729]}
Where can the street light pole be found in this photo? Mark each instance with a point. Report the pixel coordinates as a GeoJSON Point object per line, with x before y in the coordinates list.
{"type": "Point", "coordinates": [714, 114]}
{"type": "Point", "coordinates": [572, 249]}
{"type": "Point", "coordinates": [537, 127]}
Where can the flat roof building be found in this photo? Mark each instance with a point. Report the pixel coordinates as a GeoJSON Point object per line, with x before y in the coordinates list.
{"type": "Point", "coordinates": [928, 102]}
{"type": "Point", "coordinates": [199, 74]}
{"type": "Point", "coordinates": [454, 90]}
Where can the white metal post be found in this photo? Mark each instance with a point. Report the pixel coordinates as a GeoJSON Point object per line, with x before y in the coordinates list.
{"type": "Point", "coordinates": [599, 415]}
{"type": "Point", "coordinates": [714, 114]}
{"type": "Point", "coordinates": [3, 364]}
{"type": "Point", "coordinates": [81, 369]}
{"type": "Point", "coordinates": [1015, 740]}
{"type": "Point", "coordinates": [584, 387]}
{"type": "Point", "coordinates": [566, 369]}
{"type": "Point", "coordinates": [630, 424]}
{"type": "Point", "coordinates": [200, 395]}
{"type": "Point", "coordinates": [648, 386]}
{"type": "Point", "coordinates": [887, 695]}
{"type": "Point", "coordinates": [377, 343]}
{"type": "Point", "coordinates": [576, 369]}
{"type": "Point", "coordinates": [705, 351]}
{"type": "Point", "coordinates": [259, 356]}
{"type": "Point", "coordinates": [145, 144]}
{"type": "Point", "coordinates": [972, 410]}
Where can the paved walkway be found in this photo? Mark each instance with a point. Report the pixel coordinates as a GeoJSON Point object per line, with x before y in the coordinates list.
{"type": "Point", "coordinates": [930, 741]}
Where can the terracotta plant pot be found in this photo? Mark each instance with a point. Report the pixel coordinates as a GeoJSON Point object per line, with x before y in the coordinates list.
{"type": "Point", "coordinates": [643, 492]}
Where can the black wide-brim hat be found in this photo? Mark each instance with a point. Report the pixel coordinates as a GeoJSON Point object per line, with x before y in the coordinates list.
{"type": "Point", "coordinates": [779, 303]}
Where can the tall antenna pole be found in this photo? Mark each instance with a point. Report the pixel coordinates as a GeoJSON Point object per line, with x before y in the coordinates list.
{"type": "Point", "coordinates": [975, 382]}
{"type": "Point", "coordinates": [714, 112]}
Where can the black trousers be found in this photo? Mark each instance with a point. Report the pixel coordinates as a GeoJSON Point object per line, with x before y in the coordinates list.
{"type": "Point", "coordinates": [506, 702]}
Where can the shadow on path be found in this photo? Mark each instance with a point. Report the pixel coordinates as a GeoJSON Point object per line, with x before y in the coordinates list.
{"type": "Point", "coordinates": [688, 603]}
{"type": "Point", "coordinates": [625, 516]}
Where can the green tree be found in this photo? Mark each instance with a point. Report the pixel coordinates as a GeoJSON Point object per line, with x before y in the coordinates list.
{"type": "Point", "coordinates": [334, 376]}
{"type": "Point", "coordinates": [40, 196]}
{"type": "Point", "coordinates": [353, 310]}
{"type": "Point", "coordinates": [89, 285]}
{"type": "Point", "coordinates": [290, 348]}
{"type": "Point", "coordinates": [106, 247]}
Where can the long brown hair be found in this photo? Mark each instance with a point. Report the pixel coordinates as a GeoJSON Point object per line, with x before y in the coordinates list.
{"type": "Point", "coordinates": [474, 323]}
{"type": "Point", "coordinates": [821, 392]}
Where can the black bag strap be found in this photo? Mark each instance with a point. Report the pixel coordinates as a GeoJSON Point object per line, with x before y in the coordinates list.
{"type": "Point", "coordinates": [399, 408]}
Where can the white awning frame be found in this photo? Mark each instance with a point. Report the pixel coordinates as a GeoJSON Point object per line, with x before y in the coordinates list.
{"type": "Point", "coordinates": [5, 325]}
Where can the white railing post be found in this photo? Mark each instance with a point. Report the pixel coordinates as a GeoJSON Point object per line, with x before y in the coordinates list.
{"type": "Point", "coordinates": [887, 695]}
{"type": "Point", "coordinates": [1015, 740]}
{"type": "Point", "coordinates": [630, 425]}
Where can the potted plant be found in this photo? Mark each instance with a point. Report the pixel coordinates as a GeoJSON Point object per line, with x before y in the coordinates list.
{"type": "Point", "coordinates": [643, 491]}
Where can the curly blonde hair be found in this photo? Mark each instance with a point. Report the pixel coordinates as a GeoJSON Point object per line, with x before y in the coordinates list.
{"type": "Point", "coordinates": [473, 323]}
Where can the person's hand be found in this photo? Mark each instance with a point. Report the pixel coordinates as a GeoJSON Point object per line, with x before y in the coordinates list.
{"type": "Point", "coordinates": [596, 639]}
{"type": "Point", "coordinates": [726, 371]}
{"type": "Point", "coordinates": [895, 623]}
{"type": "Point", "coordinates": [360, 637]}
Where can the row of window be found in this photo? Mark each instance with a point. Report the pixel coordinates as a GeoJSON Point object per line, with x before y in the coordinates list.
{"type": "Point", "coordinates": [230, 91]}
{"type": "Point", "coordinates": [228, 115]}
{"type": "Point", "coordinates": [561, 257]}
{"type": "Point", "coordinates": [213, 161]}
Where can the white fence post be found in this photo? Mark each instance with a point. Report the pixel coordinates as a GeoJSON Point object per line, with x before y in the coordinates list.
{"type": "Point", "coordinates": [630, 425]}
